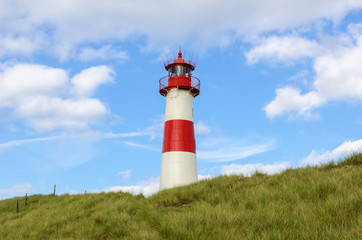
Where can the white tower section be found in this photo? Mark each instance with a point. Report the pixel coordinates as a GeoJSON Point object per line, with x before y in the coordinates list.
{"type": "Point", "coordinates": [178, 167]}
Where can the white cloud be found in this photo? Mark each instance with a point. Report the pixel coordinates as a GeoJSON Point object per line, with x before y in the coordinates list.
{"type": "Point", "coordinates": [339, 74]}
{"type": "Point", "coordinates": [84, 137]}
{"type": "Point", "coordinates": [39, 95]}
{"type": "Point", "coordinates": [111, 135]}
{"type": "Point", "coordinates": [69, 23]}
{"type": "Point", "coordinates": [125, 174]}
{"type": "Point", "coordinates": [104, 52]}
{"type": "Point", "coordinates": [345, 149]}
{"type": "Point", "coordinates": [201, 128]}
{"type": "Point", "coordinates": [22, 80]}
{"type": "Point", "coordinates": [79, 137]}
{"type": "Point", "coordinates": [230, 151]}
{"type": "Point", "coordinates": [67, 149]}
{"type": "Point", "coordinates": [45, 114]}
{"type": "Point", "coordinates": [289, 99]}
{"type": "Point", "coordinates": [355, 30]}
{"type": "Point", "coordinates": [249, 169]}
{"type": "Point", "coordinates": [338, 77]}
{"type": "Point", "coordinates": [142, 146]}
{"type": "Point", "coordinates": [88, 80]}
{"type": "Point", "coordinates": [156, 129]}
{"type": "Point", "coordinates": [17, 188]}
{"type": "Point", "coordinates": [286, 48]}
{"type": "Point", "coordinates": [147, 188]}
{"type": "Point", "coordinates": [203, 177]}
{"type": "Point", "coordinates": [18, 46]}
{"type": "Point", "coordinates": [10, 144]}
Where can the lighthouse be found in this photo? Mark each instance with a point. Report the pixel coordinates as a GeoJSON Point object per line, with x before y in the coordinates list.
{"type": "Point", "coordinates": [178, 165]}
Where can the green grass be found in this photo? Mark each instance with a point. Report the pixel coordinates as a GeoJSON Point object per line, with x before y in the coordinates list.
{"type": "Point", "coordinates": [306, 203]}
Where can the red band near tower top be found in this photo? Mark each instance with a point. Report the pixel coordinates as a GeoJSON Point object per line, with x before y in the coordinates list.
{"type": "Point", "coordinates": [179, 136]}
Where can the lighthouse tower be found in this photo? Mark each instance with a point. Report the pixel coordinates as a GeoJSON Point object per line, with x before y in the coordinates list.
{"type": "Point", "coordinates": [178, 166]}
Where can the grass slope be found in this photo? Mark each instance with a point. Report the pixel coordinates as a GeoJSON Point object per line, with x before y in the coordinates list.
{"type": "Point", "coordinates": [307, 203]}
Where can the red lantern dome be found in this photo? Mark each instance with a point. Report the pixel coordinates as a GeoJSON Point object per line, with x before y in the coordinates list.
{"type": "Point", "coordinates": [179, 76]}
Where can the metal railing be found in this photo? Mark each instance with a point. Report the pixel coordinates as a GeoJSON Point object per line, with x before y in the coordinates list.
{"type": "Point", "coordinates": [194, 85]}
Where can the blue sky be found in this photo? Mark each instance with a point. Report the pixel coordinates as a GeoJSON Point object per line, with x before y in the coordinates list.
{"type": "Point", "coordinates": [281, 87]}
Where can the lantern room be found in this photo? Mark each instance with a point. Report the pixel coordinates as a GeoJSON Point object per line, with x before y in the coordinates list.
{"type": "Point", "coordinates": [179, 76]}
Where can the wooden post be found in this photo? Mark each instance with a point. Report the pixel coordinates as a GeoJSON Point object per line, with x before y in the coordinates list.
{"type": "Point", "coordinates": [26, 198]}
{"type": "Point", "coordinates": [54, 189]}
{"type": "Point", "coordinates": [17, 206]}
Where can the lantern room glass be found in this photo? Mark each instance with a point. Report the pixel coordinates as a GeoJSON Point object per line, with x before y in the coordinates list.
{"type": "Point", "coordinates": [179, 70]}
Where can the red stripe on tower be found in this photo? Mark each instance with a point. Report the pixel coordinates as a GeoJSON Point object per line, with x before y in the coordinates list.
{"type": "Point", "coordinates": [179, 136]}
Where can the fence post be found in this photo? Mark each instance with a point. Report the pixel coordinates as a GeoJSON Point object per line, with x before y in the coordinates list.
{"type": "Point", "coordinates": [26, 198]}
{"type": "Point", "coordinates": [54, 189]}
{"type": "Point", "coordinates": [17, 206]}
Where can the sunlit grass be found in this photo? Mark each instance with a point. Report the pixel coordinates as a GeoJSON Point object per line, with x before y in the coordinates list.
{"type": "Point", "coordinates": [308, 203]}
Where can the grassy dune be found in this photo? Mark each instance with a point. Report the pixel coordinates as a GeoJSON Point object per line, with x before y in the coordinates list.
{"type": "Point", "coordinates": [307, 203]}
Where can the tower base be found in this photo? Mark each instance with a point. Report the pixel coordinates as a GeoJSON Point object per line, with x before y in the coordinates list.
{"type": "Point", "coordinates": [177, 169]}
